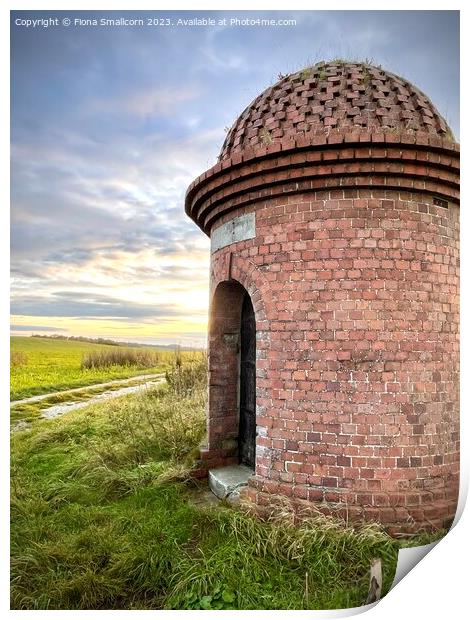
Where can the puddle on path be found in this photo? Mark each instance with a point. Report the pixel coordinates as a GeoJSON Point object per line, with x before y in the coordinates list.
{"type": "Point", "coordinates": [57, 410]}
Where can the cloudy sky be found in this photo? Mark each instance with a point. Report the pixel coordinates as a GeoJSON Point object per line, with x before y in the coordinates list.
{"type": "Point", "coordinates": [111, 124]}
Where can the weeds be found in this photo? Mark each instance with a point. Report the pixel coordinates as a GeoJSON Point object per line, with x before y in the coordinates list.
{"type": "Point", "coordinates": [271, 564]}
{"type": "Point", "coordinates": [18, 359]}
{"type": "Point", "coordinates": [189, 378]}
{"type": "Point", "coordinates": [366, 77]}
{"type": "Point", "coordinates": [141, 358]}
{"type": "Point", "coordinates": [266, 137]}
{"type": "Point", "coordinates": [322, 75]}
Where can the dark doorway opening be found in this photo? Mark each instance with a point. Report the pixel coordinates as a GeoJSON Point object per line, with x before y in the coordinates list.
{"type": "Point", "coordinates": [247, 424]}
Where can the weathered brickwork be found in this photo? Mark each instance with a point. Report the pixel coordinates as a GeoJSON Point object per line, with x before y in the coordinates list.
{"type": "Point", "coordinates": [353, 276]}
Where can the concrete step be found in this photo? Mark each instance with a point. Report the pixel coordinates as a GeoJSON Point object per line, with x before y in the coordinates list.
{"type": "Point", "coordinates": [226, 482]}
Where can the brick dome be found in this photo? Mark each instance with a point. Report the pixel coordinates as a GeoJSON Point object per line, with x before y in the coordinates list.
{"type": "Point", "coordinates": [340, 97]}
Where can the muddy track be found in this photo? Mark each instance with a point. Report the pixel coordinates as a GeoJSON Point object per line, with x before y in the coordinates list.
{"type": "Point", "coordinates": [72, 391]}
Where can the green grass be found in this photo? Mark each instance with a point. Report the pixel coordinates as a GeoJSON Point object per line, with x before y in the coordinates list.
{"type": "Point", "coordinates": [104, 517]}
{"type": "Point", "coordinates": [54, 365]}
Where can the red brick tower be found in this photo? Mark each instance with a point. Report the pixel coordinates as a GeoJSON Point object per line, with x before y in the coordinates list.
{"type": "Point", "coordinates": [333, 338]}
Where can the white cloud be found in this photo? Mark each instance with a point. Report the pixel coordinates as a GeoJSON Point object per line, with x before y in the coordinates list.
{"type": "Point", "coordinates": [147, 101]}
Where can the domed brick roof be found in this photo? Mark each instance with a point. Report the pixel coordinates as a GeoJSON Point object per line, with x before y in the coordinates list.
{"type": "Point", "coordinates": [339, 97]}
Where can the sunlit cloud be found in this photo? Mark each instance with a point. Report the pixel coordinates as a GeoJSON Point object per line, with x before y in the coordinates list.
{"type": "Point", "coordinates": [159, 101]}
{"type": "Point", "coordinates": [187, 332]}
{"type": "Point", "coordinates": [33, 329]}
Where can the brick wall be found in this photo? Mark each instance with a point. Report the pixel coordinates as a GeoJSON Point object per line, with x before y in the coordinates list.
{"type": "Point", "coordinates": [357, 370]}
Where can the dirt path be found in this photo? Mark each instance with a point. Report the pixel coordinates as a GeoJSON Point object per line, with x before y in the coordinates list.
{"type": "Point", "coordinates": [53, 411]}
{"type": "Point", "coordinates": [56, 410]}
{"type": "Point", "coordinates": [35, 399]}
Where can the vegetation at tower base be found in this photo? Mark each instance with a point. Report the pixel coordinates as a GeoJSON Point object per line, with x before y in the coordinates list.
{"type": "Point", "coordinates": [105, 515]}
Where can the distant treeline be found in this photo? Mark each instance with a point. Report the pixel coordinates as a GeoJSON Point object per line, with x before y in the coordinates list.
{"type": "Point", "coordinates": [169, 347]}
{"type": "Point", "coordinates": [79, 339]}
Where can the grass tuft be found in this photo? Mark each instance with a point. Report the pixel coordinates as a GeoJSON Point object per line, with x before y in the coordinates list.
{"type": "Point", "coordinates": [188, 378]}
{"type": "Point", "coordinates": [18, 359]}
{"type": "Point", "coordinates": [140, 358]}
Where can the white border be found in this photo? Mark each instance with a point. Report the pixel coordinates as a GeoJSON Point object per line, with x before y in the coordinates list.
{"type": "Point", "coordinates": [438, 584]}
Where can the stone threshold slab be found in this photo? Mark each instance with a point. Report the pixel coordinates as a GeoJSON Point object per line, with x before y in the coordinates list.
{"type": "Point", "coordinates": [226, 482]}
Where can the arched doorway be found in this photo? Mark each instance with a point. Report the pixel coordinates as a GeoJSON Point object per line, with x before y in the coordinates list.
{"type": "Point", "coordinates": [231, 414]}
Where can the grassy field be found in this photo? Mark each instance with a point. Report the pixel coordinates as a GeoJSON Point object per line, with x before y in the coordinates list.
{"type": "Point", "coordinates": [53, 365]}
{"type": "Point", "coordinates": [104, 515]}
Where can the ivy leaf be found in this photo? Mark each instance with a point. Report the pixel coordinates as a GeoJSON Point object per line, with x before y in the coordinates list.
{"type": "Point", "coordinates": [206, 602]}
{"type": "Point", "coordinates": [228, 596]}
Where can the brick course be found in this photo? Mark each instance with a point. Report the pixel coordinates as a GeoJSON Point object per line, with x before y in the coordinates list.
{"type": "Point", "coordinates": [353, 275]}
